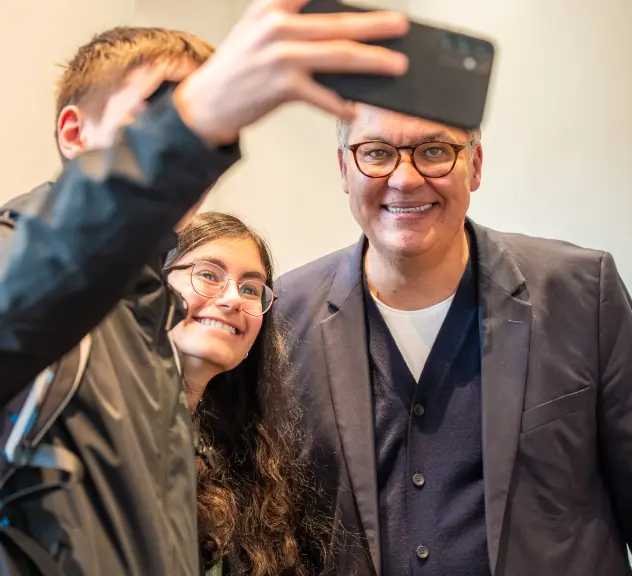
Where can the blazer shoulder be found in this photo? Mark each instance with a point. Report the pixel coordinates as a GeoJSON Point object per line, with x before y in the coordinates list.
{"type": "Point", "coordinates": [302, 292]}
{"type": "Point", "coordinates": [539, 253]}
{"type": "Point", "coordinates": [313, 274]}
{"type": "Point", "coordinates": [558, 278]}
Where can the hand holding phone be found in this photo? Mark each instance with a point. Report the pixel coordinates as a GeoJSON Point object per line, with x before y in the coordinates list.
{"type": "Point", "coordinates": [447, 79]}
{"type": "Point", "coordinates": [270, 58]}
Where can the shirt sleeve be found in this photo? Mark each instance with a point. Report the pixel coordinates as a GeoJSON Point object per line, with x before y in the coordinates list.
{"type": "Point", "coordinates": [70, 261]}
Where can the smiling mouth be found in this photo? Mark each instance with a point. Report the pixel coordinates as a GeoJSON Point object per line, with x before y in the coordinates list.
{"type": "Point", "coordinates": [408, 209]}
{"type": "Point", "coordinates": [217, 324]}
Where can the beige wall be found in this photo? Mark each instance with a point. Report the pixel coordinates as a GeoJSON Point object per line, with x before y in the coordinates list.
{"type": "Point", "coordinates": [556, 135]}
{"type": "Point", "coordinates": [211, 19]}
{"type": "Point", "coordinates": [35, 37]}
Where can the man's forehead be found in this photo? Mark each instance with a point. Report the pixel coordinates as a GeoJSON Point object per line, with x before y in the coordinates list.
{"type": "Point", "coordinates": [377, 123]}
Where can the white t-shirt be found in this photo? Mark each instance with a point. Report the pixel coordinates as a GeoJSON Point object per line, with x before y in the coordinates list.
{"type": "Point", "coordinates": [415, 331]}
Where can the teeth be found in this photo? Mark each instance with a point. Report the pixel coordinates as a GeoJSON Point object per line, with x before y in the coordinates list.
{"type": "Point", "coordinates": [217, 324]}
{"type": "Point", "coordinates": [408, 210]}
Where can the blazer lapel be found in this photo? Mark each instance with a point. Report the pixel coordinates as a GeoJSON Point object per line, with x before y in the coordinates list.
{"type": "Point", "coordinates": [505, 328]}
{"type": "Point", "coordinates": [345, 344]}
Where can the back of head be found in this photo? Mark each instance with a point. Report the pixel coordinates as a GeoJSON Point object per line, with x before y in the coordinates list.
{"type": "Point", "coordinates": [98, 68]}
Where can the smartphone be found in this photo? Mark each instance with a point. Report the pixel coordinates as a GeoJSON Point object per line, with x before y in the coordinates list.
{"type": "Point", "coordinates": [447, 80]}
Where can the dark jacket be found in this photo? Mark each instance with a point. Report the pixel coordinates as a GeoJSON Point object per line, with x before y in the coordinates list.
{"type": "Point", "coordinates": [87, 256]}
{"type": "Point", "coordinates": [556, 364]}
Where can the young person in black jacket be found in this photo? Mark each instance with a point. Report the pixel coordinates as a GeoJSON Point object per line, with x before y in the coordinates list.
{"type": "Point", "coordinates": [87, 253]}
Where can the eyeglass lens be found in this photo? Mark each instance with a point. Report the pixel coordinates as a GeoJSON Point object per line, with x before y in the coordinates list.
{"type": "Point", "coordinates": [433, 159]}
{"type": "Point", "coordinates": [210, 280]}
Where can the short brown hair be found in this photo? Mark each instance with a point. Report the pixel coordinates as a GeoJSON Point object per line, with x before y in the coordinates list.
{"type": "Point", "coordinates": [99, 67]}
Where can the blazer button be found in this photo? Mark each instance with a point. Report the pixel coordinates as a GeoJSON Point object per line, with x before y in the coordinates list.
{"type": "Point", "coordinates": [419, 479]}
{"type": "Point", "coordinates": [419, 410]}
{"type": "Point", "coordinates": [423, 552]}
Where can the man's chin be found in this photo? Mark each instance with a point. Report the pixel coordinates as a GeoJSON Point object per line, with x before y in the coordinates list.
{"type": "Point", "coordinates": [404, 245]}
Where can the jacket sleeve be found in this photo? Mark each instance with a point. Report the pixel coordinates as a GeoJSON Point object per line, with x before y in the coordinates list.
{"type": "Point", "coordinates": [615, 392]}
{"type": "Point", "coordinates": [70, 262]}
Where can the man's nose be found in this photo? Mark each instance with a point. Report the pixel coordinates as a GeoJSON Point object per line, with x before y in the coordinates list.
{"type": "Point", "coordinates": [406, 176]}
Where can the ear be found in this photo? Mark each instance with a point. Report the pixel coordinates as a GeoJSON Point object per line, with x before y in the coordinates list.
{"type": "Point", "coordinates": [343, 170]}
{"type": "Point", "coordinates": [476, 168]}
{"type": "Point", "coordinates": [70, 132]}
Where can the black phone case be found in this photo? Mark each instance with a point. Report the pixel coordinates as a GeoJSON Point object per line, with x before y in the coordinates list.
{"type": "Point", "coordinates": [447, 81]}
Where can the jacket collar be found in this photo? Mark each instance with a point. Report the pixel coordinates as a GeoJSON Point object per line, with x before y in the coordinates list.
{"type": "Point", "coordinates": [495, 263]}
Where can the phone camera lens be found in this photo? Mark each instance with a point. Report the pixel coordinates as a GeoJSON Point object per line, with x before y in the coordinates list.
{"type": "Point", "coordinates": [469, 63]}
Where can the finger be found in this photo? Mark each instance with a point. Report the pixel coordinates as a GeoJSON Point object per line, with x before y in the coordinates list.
{"type": "Point", "coordinates": [287, 5]}
{"type": "Point", "coordinates": [143, 81]}
{"type": "Point", "coordinates": [317, 95]}
{"type": "Point", "coordinates": [260, 7]}
{"type": "Point", "coordinates": [123, 103]}
{"type": "Point", "coordinates": [343, 56]}
{"type": "Point", "coordinates": [364, 27]}
{"type": "Point", "coordinates": [128, 102]}
{"type": "Point", "coordinates": [177, 70]}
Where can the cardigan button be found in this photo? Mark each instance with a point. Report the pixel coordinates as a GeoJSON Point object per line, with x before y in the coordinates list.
{"type": "Point", "coordinates": [422, 552]}
{"type": "Point", "coordinates": [419, 480]}
{"type": "Point", "coordinates": [419, 410]}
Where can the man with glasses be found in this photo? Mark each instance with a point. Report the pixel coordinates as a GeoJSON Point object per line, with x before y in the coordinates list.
{"type": "Point", "coordinates": [466, 392]}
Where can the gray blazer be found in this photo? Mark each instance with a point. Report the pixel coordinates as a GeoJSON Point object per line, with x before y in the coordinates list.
{"type": "Point", "coordinates": [556, 349]}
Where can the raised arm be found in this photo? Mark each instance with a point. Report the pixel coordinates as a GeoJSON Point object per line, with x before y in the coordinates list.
{"type": "Point", "coordinates": [70, 262]}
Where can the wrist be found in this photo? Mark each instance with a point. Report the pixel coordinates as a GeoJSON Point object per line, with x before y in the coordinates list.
{"type": "Point", "coordinates": [200, 117]}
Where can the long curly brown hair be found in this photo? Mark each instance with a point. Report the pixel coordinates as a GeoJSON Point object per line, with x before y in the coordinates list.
{"type": "Point", "coordinates": [255, 495]}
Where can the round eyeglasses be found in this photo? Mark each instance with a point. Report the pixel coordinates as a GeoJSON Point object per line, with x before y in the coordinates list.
{"type": "Point", "coordinates": [377, 159]}
{"type": "Point", "coordinates": [210, 280]}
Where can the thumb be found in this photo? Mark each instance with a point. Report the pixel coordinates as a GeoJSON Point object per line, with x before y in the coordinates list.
{"type": "Point", "coordinates": [311, 92]}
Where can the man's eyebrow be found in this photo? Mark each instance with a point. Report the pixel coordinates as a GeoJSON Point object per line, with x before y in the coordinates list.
{"type": "Point", "coordinates": [439, 136]}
